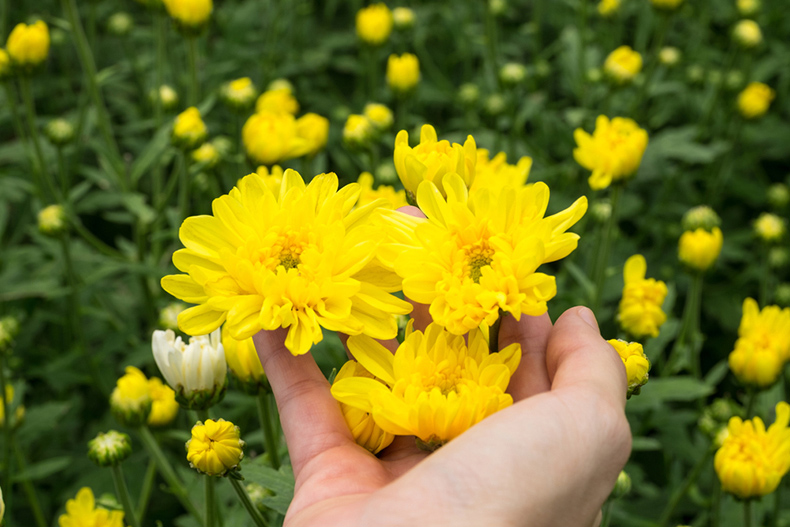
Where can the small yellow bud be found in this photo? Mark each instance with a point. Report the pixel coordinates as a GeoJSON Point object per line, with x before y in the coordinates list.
{"type": "Point", "coordinates": [379, 115]}
{"type": "Point", "coordinates": [636, 364]}
{"type": "Point", "coordinates": [189, 15]}
{"type": "Point", "coordinates": [109, 449]}
{"type": "Point", "coordinates": [215, 448]}
{"type": "Point", "coordinates": [168, 97]}
{"type": "Point", "coordinates": [357, 131]}
{"type": "Point", "coordinates": [403, 17]}
{"type": "Point", "coordinates": [59, 131]}
{"type": "Point", "coordinates": [748, 7]}
{"type": "Point", "coordinates": [747, 33]}
{"type": "Point", "coordinates": [403, 72]}
{"type": "Point", "coordinates": [244, 363]}
{"type": "Point", "coordinates": [120, 24]}
{"type": "Point", "coordinates": [607, 8]}
{"type": "Point", "coordinates": [669, 56]}
{"type": "Point", "coordinates": [131, 401]}
{"type": "Point", "coordinates": [769, 227]}
{"type": "Point", "coordinates": [778, 195]}
{"type": "Point", "coordinates": [277, 100]}
{"type": "Point", "coordinates": [28, 45]}
{"type": "Point", "coordinates": [189, 130]}
{"type": "Point", "coordinates": [623, 64]}
{"type": "Point", "coordinates": [314, 130]}
{"type": "Point", "coordinates": [622, 486]}
{"type": "Point", "coordinates": [699, 249]}
{"type": "Point", "coordinates": [374, 24]}
{"type": "Point", "coordinates": [513, 73]}
{"type": "Point", "coordinates": [239, 94]}
{"type": "Point", "coordinates": [19, 413]}
{"type": "Point", "coordinates": [206, 155]}
{"type": "Point", "coordinates": [52, 220]}
{"type": "Point", "coordinates": [272, 138]}
{"type": "Point", "coordinates": [164, 406]}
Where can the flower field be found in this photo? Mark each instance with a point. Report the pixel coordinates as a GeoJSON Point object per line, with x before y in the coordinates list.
{"type": "Point", "coordinates": [269, 262]}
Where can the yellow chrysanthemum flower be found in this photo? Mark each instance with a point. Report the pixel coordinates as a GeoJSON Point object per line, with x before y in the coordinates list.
{"type": "Point", "coordinates": [239, 93]}
{"type": "Point", "coordinates": [607, 8]}
{"type": "Point", "coordinates": [477, 254]}
{"type": "Point", "coordinates": [700, 248]}
{"type": "Point", "coordinates": [755, 100]}
{"type": "Point", "coordinates": [244, 362]}
{"type": "Point", "coordinates": [273, 137]}
{"type": "Point", "coordinates": [394, 198]}
{"type": "Point", "coordinates": [623, 64]}
{"type": "Point", "coordinates": [313, 129]}
{"type": "Point", "coordinates": [131, 400]}
{"type": "Point", "coordinates": [403, 72]}
{"type": "Point", "coordinates": [82, 512]}
{"type": "Point", "coordinates": [206, 154]}
{"type": "Point", "coordinates": [666, 4]}
{"type": "Point", "coordinates": [28, 45]}
{"type": "Point", "coordinates": [19, 414]}
{"type": "Point", "coordinates": [358, 130]}
{"type": "Point", "coordinates": [748, 34]}
{"type": "Point", "coordinates": [496, 173]}
{"type": "Point", "coordinates": [635, 361]}
{"type": "Point", "coordinates": [215, 447]}
{"type": "Point", "coordinates": [189, 130]}
{"type": "Point", "coordinates": [432, 160]}
{"type": "Point", "coordinates": [752, 460]}
{"type": "Point", "coordinates": [52, 220]}
{"type": "Point", "coordinates": [164, 407]}
{"type": "Point", "coordinates": [374, 24]}
{"type": "Point", "coordinates": [276, 101]}
{"type": "Point", "coordinates": [763, 344]}
{"type": "Point", "coordinates": [379, 115]}
{"type": "Point", "coordinates": [189, 14]}
{"type": "Point", "coordinates": [613, 152]}
{"type": "Point", "coordinates": [769, 227]}
{"type": "Point", "coordinates": [640, 308]}
{"type": "Point", "coordinates": [299, 259]}
{"type": "Point", "coordinates": [272, 178]}
{"type": "Point", "coordinates": [366, 432]}
{"type": "Point", "coordinates": [434, 387]}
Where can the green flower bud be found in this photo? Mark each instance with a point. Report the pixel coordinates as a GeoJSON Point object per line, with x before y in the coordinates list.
{"type": "Point", "coordinates": [386, 173]}
{"type": "Point", "coordinates": [495, 104]}
{"type": "Point", "coordinates": [257, 495]}
{"type": "Point", "coordinates": [594, 75]}
{"type": "Point", "coordinates": [601, 210]}
{"type": "Point", "coordinates": [497, 7]}
{"type": "Point", "coordinates": [109, 449]}
{"type": "Point", "coordinates": [59, 132]}
{"type": "Point", "coordinates": [120, 24]}
{"type": "Point", "coordinates": [513, 73]}
{"type": "Point", "coordinates": [778, 195]}
{"type": "Point", "coordinates": [52, 220]}
{"type": "Point", "coordinates": [701, 217]}
{"type": "Point", "coordinates": [695, 73]}
{"type": "Point", "coordinates": [468, 93]}
{"type": "Point", "coordinates": [778, 257]}
{"type": "Point", "coordinates": [782, 294]}
{"type": "Point", "coordinates": [9, 329]}
{"type": "Point", "coordinates": [622, 486]}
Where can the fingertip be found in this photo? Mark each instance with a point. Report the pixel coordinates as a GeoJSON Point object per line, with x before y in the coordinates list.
{"type": "Point", "coordinates": [412, 211]}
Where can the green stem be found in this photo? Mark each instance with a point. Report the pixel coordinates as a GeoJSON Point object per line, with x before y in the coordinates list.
{"type": "Point", "coordinates": [493, 333]}
{"type": "Point", "coordinates": [183, 186]}
{"type": "Point", "coordinates": [777, 505]}
{"type": "Point", "coordinates": [145, 491]}
{"type": "Point", "coordinates": [252, 510]}
{"type": "Point", "coordinates": [715, 507]}
{"type": "Point", "coordinates": [194, 86]}
{"type": "Point", "coordinates": [169, 475]}
{"type": "Point", "coordinates": [30, 111]}
{"type": "Point", "coordinates": [582, 39]}
{"type": "Point", "coordinates": [123, 494]}
{"type": "Point", "coordinates": [30, 491]}
{"type": "Point", "coordinates": [64, 175]}
{"type": "Point", "coordinates": [491, 47]}
{"type": "Point", "coordinates": [689, 328]}
{"type": "Point", "coordinates": [683, 489]}
{"type": "Point", "coordinates": [639, 101]}
{"type": "Point", "coordinates": [266, 418]}
{"type": "Point", "coordinates": [765, 277]}
{"type": "Point", "coordinates": [602, 259]}
{"type": "Point", "coordinates": [371, 70]}
{"type": "Point", "coordinates": [19, 129]}
{"type": "Point", "coordinates": [606, 514]}
{"type": "Point", "coordinates": [751, 397]}
{"type": "Point", "coordinates": [7, 430]}
{"type": "Point", "coordinates": [93, 240]}
{"type": "Point", "coordinates": [747, 513]}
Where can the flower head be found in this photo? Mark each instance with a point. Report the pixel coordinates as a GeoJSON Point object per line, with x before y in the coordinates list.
{"type": "Point", "coordinates": [433, 160]}
{"type": "Point", "coordinates": [476, 254]}
{"type": "Point", "coordinates": [379, 115]}
{"type": "Point", "coordinates": [374, 24]}
{"type": "Point", "coordinates": [395, 198]}
{"type": "Point", "coordinates": [366, 432]}
{"type": "Point", "coordinates": [239, 93]}
{"type": "Point", "coordinates": [748, 7]}
{"type": "Point", "coordinates": [623, 64]}
{"type": "Point", "coordinates": [59, 132]}
{"type": "Point", "coordinates": [109, 449]}
{"type": "Point", "coordinates": [636, 363]}
{"type": "Point", "coordinates": [613, 152]}
{"type": "Point", "coordinates": [299, 259]}
{"type": "Point", "coordinates": [699, 249]}
{"type": "Point", "coordinates": [313, 129]}
{"type": "Point", "coordinates": [769, 227]}
{"type": "Point", "coordinates": [190, 15]}
{"type": "Point", "coordinates": [189, 130]}
{"type": "Point", "coordinates": [755, 99]}
{"type": "Point", "coordinates": [28, 45]}
{"type": "Point", "coordinates": [277, 100]}
{"type": "Point", "coordinates": [513, 73]}
{"type": "Point", "coordinates": [167, 96]}
{"type": "Point", "coordinates": [130, 401]}
{"type": "Point", "coordinates": [358, 131]}
{"type": "Point", "coordinates": [273, 137]}
{"type": "Point", "coordinates": [495, 173]}
{"type": "Point", "coordinates": [82, 511]}
{"type": "Point", "coordinates": [215, 447]}
{"type": "Point", "coordinates": [607, 8]}
{"type": "Point", "coordinates": [403, 18]}
{"type": "Point", "coordinates": [206, 155]}
{"type": "Point", "coordinates": [640, 308]}
{"type": "Point", "coordinates": [196, 371]}
{"type": "Point", "coordinates": [763, 344]}
{"type": "Point", "coordinates": [752, 460]}
{"type": "Point", "coordinates": [669, 56]}
{"type": "Point", "coordinates": [52, 220]}
{"type": "Point", "coordinates": [403, 72]}
{"type": "Point", "coordinates": [434, 387]}
{"type": "Point", "coordinates": [244, 363]}
{"type": "Point", "coordinates": [747, 33]}
{"type": "Point", "coordinates": [164, 407]}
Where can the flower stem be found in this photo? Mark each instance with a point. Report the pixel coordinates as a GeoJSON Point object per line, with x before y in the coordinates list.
{"type": "Point", "coordinates": [123, 494]}
{"type": "Point", "coordinates": [683, 489]}
{"type": "Point", "coordinates": [30, 491]}
{"type": "Point", "coordinates": [751, 397]}
{"type": "Point", "coordinates": [777, 505]}
{"type": "Point", "coordinates": [267, 425]}
{"type": "Point", "coordinates": [689, 328]}
{"type": "Point", "coordinates": [10, 94]}
{"type": "Point", "coordinates": [493, 334]}
{"type": "Point", "coordinates": [602, 259]}
{"type": "Point", "coordinates": [715, 506]}
{"type": "Point", "coordinates": [183, 186]}
{"type": "Point", "coordinates": [7, 430]}
{"type": "Point", "coordinates": [194, 86]}
{"type": "Point", "coordinates": [582, 37]}
{"type": "Point", "coordinates": [606, 514]}
{"type": "Point", "coordinates": [491, 46]}
{"type": "Point", "coordinates": [256, 516]}
{"type": "Point", "coordinates": [765, 277]}
{"type": "Point", "coordinates": [145, 492]}
{"type": "Point", "coordinates": [747, 513]}
{"type": "Point", "coordinates": [30, 111]}
{"type": "Point", "coordinates": [169, 475]}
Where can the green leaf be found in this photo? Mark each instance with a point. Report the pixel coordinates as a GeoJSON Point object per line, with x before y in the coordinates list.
{"type": "Point", "coordinates": [280, 482]}
{"type": "Point", "coordinates": [152, 152]}
{"type": "Point", "coordinates": [43, 469]}
{"type": "Point", "coordinates": [642, 444]}
{"type": "Point", "coordinates": [657, 391]}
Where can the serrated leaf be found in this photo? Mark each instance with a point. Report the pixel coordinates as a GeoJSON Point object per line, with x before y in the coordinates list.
{"type": "Point", "coordinates": [280, 482]}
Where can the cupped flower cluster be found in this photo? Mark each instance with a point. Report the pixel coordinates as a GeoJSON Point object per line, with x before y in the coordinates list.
{"type": "Point", "coordinates": [477, 254]}
{"type": "Point", "coordinates": [622, 65]}
{"type": "Point", "coordinates": [495, 172]}
{"type": "Point", "coordinates": [300, 259]}
{"type": "Point", "coordinates": [613, 152]}
{"type": "Point", "coordinates": [755, 99]}
{"type": "Point", "coordinates": [699, 249]}
{"type": "Point", "coordinates": [403, 73]}
{"type": "Point", "coordinates": [374, 24]}
{"type": "Point", "coordinates": [28, 45]}
{"type": "Point", "coordinates": [763, 345]}
{"type": "Point", "coordinates": [82, 511]}
{"type": "Point", "coordinates": [640, 311]}
{"type": "Point", "coordinates": [363, 427]}
{"type": "Point", "coordinates": [752, 460]}
{"type": "Point", "coordinates": [636, 363]}
{"type": "Point", "coordinates": [435, 386]}
{"type": "Point", "coordinates": [189, 130]}
{"type": "Point", "coordinates": [215, 448]}
{"type": "Point", "coordinates": [189, 15]}
{"type": "Point", "coordinates": [196, 371]}
{"type": "Point", "coordinates": [131, 401]}
{"type": "Point", "coordinates": [769, 227]}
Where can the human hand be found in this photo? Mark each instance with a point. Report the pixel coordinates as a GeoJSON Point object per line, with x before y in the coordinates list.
{"type": "Point", "coordinates": [550, 459]}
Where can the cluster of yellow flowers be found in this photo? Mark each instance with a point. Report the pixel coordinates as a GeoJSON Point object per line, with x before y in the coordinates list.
{"type": "Point", "coordinates": [82, 511]}
{"type": "Point", "coordinates": [763, 345]}
{"type": "Point", "coordinates": [137, 400]}
{"type": "Point", "coordinates": [613, 152]}
{"type": "Point", "coordinates": [361, 129]}
{"type": "Point", "coordinates": [640, 312]}
{"type": "Point", "coordinates": [27, 47]}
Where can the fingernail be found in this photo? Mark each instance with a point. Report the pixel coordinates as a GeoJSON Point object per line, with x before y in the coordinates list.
{"type": "Point", "coordinates": [588, 316]}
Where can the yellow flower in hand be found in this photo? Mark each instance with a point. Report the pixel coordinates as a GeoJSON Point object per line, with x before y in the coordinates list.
{"type": "Point", "coordinates": [366, 432]}
{"type": "Point", "coordinates": [636, 363]}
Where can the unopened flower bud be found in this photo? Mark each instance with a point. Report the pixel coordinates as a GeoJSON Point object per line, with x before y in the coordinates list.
{"type": "Point", "coordinates": [52, 220]}
{"type": "Point", "coordinates": [695, 73]}
{"type": "Point", "coordinates": [782, 294]}
{"type": "Point", "coordinates": [468, 93]}
{"type": "Point", "coordinates": [748, 34]}
{"type": "Point", "coordinates": [636, 364]}
{"type": "Point", "coordinates": [168, 316]}
{"type": "Point", "coordinates": [189, 130]}
{"type": "Point", "coordinates": [9, 329]}
{"type": "Point", "coordinates": [168, 97]}
{"type": "Point", "coordinates": [131, 401]}
{"type": "Point", "coordinates": [403, 18]}
{"type": "Point", "coordinates": [734, 80]}
{"type": "Point", "coordinates": [386, 173]}
{"type": "Point", "coordinates": [748, 7]}
{"type": "Point", "coordinates": [601, 210]}
{"type": "Point", "coordinates": [495, 104]}
{"type": "Point", "coordinates": [120, 24]}
{"type": "Point", "coordinates": [769, 227]}
{"type": "Point", "coordinates": [778, 195]}
{"type": "Point", "coordinates": [622, 486]}
{"type": "Point", "coordinates": [109, 449]}
{"type": "Point", "coordinates": [778, 257]}
{"type": "Point", "coordinates": [513, 73]}
{"type": "Point", "coordinates": [258, 495]}
{"type": "Point", "coordinates": [594, 75]}
{"type": "Point", "coordinates": [497, 7]}
{"type": "Point", "coordinates": [669, 56]}
{"type": "Point", "coordinates": [358, 131]}
{"type": "Point", "coordinates": [206, 155]}
{"type": "Point", "coordinates": [239, 94]}
{"type": "Point", "coordinates": [700, 217]}
{"type": "Point", "coordinates": [59, 131]}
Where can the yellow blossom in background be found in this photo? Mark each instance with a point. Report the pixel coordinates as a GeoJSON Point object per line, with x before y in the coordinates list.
{"type": "Point", "coordinates": [666, 4]}
{"type": "Point", "coordinates": [623, 64]}
{"type": "Point", "coordinates": [5, 65]}
{"type": "Point", "coordinates": [366, 432]}
{"type": "Point", "coordinates": [374, 24]}
{"type": "Point", "coordinates": [747, 7]}
{"type": "Point", "coordinates": [215, 447]}
{"type": "Point", "coordinates": [244, 362]}
{"type": "Point", "coordinates": [763, 344]}
{"type": "Point", "coordinates": [434, 387]}
{"type": "Point", "coordinates": [607, 8]}
{"type": "Point", "coordinates": [394, 198]}
{"type": "Point", "coordinates": [495, 173]}
{"type": "Point", "coordinates": [131, 400]}
{"type": "Point", "coordinates": [52, 220]}
{"type": "Point", "coordinates": [358, 130]}
{"type": "Point", "coordinates": [168, 315]}
{"type": "Point", "coordinates": [189, 14]}
{"type": "Point", "coordinates": [432, 160]}
{"type": "Point", "coordinates": [403, 72]}
{"type": "Point", "coordinates": [635, 361]}
{"type": "Point", "coordinates": [755, 100]}
{"type": "Point", "coordinates": [478, 254]}
{"type": "Point", "coordinates": [164, 407]}
{"type": "Point", "coordinates": [272, 138]}
{"type": "Point", "coordinates": [298, 259]}
{"type": "Point", "coordinates": [669, 56]}
{"type": "Point", "coordinates": [700, 248]}
{"type": "Point", "coordinates": [403, 17]}
{"type": "Point", "coordinates": [189, 130]}
{"type": "Point", "coordinates": [207, 155]}
{"type": "Point", "coordinates": [752, 460]}
{"type": "Point", "coordinates": [239, 93]}
{"type": "Point", "coordinates": [314, 129]}
{"type": "Point", "coordinates": [748, 34]}
{"type": "Point", "coordinates": [276, 101]}
{"type": "Point", "coordinates": [167, 96]}
{"type": "Point", "coordinates": [769, 227]}
{"type": "Point", "coordinates": [28, 45]}
{"type": "Point", "coordinates": [379, 115]}
{"type": "Point", "coordinates": [272, 178]}
{"type": "Point", "coordinates": [19, 413]}
{"type": "Point", "coordinates": [640, 311]}
{"type": "Point", "coordinates": [613, 152]}
{"type": "Point", "coordinates": [82, 512]}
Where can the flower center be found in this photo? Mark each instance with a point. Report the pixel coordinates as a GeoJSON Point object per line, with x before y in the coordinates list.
{"type": "Point", "coordinates": [478, 257]}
